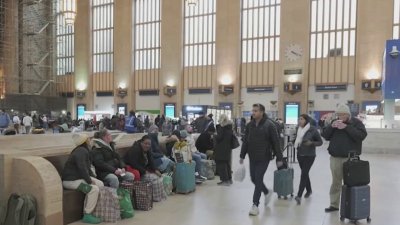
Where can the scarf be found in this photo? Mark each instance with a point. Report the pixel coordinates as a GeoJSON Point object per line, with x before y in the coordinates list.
{"type": "Point", "coordinates": [300, 134]}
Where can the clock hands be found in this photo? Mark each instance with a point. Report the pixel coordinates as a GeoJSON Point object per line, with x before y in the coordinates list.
{"type": "Point", "coordinates": [295, 53]}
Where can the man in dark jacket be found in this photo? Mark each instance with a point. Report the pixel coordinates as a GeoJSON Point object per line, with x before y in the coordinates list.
{"type": "Point", "coordinates": [345, 134]}
{"type": "Point", "coordinates": [77, 175]}
{"type": "Point", "coordinates": [201, 123]}
{"type": "Point", "coordinates": [260, 141]}
{"type": "Point", "coordinates": [108, 163]}
{"type": "Point", "coordinates": [204, 142]}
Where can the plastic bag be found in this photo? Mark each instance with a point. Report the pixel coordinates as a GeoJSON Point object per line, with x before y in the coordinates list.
{"type": "Point", "coordinates": [240, 173]}
{"type": "Point", "coordinates": [125, 203]}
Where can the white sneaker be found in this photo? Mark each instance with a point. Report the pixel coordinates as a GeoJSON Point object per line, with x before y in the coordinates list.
{"type": "Point", "coordinates": [268, 197]}
{"type": "Point", "coordinates": [254, 211]}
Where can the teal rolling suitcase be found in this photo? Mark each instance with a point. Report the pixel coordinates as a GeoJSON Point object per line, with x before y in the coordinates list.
{"type": "Point", "coordinates": [185, 178]}
{"type": "Point", "coordinates": [283, 182]}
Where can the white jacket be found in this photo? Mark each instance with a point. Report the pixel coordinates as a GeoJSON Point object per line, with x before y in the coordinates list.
{"type": "Point", "coordinates": [27, 121]}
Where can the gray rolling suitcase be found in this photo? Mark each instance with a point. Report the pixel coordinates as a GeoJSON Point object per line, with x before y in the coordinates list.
{"type": "Point", "coordinates": [355, 203]}
{"type": "Point", "coordinates": [283, 182]}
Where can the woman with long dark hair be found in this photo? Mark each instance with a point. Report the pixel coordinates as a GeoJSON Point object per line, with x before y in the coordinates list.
{"type": "Point", "coordinates": [307, 139]}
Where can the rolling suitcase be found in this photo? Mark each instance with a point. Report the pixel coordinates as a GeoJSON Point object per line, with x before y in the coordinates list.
{"type": "Point", "coordinates": [355, 203]}
{"type": "Point", "coordinates": [184, 177]}
{"type": "Point", "coordinates": [283, 180]}
{"type": "Point", "coordinates": [355, 171]}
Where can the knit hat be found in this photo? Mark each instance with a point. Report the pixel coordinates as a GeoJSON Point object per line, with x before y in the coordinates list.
{"type": "Point", "coordinates": [79, 139]}
{"type": "Point", "coordinates": [184, 133]}
{"type": "Point", "coordinates": [153, 129]}
{"type": "Point", "coordinates": [342, 108]}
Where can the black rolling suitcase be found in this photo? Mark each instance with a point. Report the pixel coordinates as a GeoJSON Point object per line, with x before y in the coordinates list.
{"type": "Point", "coordinates": [355, 171]}
{"type": "Point", "coordinates": [355, 203]}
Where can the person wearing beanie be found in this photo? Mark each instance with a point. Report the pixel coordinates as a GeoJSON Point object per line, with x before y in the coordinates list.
{"type": "Point", "coordinates": [77, 175]}
{"type": "Point", "coordinates": [196, 155]}
{"type": "Point", "coordinates": [345, 134]}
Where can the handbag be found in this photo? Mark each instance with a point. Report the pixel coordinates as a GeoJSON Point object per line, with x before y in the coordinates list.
{"type": "Point", "coordinates": [234, 142]}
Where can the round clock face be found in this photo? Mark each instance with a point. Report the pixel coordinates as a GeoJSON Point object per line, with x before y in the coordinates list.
{"type": "Point", "coordinates": [293, 52]}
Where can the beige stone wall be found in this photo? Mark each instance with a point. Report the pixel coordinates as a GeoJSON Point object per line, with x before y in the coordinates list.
{"type": "Point", "coordinates": [374, 26]}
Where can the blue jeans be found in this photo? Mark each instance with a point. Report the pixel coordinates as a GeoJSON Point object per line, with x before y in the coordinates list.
{"type": "Point", "coordinates": [112, 179]}
{"type": "Point", "coordinates": [197, 157]}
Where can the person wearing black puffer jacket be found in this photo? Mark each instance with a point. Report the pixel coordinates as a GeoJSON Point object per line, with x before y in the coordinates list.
{"type": "Point", "coordinates": [260, 141]}
{"type": "Point", "coordinates": [345, 134]}
{"type": "Point", "coordinates": [307, 138]}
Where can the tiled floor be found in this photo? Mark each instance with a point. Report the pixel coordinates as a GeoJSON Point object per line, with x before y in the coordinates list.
{"type": "Point", "coordinates": [214, 205]}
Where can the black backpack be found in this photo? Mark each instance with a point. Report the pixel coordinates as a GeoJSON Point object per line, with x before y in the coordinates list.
{"type": "Point", "coordinates": [20, 210]}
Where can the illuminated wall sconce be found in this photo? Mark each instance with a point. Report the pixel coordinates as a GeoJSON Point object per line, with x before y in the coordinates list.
{"type": "Point", "coordinates": [80, 93]}
{"type": "Point", "coordinates": [371, 85]}
{"type": "Point", "coordinates": [310, 104]}
{"type": "Point", "coordinates": [169, 91]}
{"type": "Point", "coordinates": [225, 89]}
{"type": "Point", "coordinates": [122, 92]}
{"type": "Point", "coordinates": [292, 87]}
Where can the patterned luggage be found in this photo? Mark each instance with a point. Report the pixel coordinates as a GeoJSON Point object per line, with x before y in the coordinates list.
{"type": "Point", "coordinates": [207, 169]}
{"type": "Point", "coordinates": [143, 195]}
{"type": "Point", "coordinates": [184, 177]}
{"type": "Point", "coordinates": [355, 203]}
{"type": "Point", "coordinates": [158, 186]}
{"type": "Point", "coordinates": [107, 207]}
{"type": "Point", "coordinates": [283, 182]}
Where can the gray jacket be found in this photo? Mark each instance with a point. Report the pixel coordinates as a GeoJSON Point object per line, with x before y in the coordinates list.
{"type": "Point", "coordinates": [311, 135]}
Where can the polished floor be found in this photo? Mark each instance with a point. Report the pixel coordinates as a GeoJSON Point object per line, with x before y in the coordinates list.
{"type": "Point", "coordinates": [214, 205]}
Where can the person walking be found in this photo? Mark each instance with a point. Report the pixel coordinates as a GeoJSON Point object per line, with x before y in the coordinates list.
{"type": "Point", "coordinates": [346, 134]}
{"type": "Point", "coordinates": [260, 141]}
{"type": "Point", "coordinates": [307, 138]}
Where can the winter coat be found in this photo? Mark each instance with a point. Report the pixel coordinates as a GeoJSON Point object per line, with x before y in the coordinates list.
{"type": "Point", "coordinates": [311, 135]}
{"type": "Point", "coordinates": [204, 142]}
{"type": "Point", "coordinates": [105, 159]}
{"type": "Point", "coordinates": [345, 140]}
{"type": "Point", "coordinates": [136, 159]}
{"type": "Point", "coordinates": [155, 149]}
{"type": "Point", "coordinates": [260, 141]}
{"type": "Point", "coordinates": [223, 143]}
{"type": "Point", "coordinates": [78, 166]}
{"type": "Point", "coordinates": [4, 120]}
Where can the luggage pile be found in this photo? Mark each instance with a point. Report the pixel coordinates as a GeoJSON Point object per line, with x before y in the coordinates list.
{"type": "Point", "coordinates": [355, 203]}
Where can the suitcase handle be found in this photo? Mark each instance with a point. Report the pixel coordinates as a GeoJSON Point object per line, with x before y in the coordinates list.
{"type": "Point", "coordinates": [353, 156]}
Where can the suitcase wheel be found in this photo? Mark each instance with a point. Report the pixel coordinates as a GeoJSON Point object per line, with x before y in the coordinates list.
{"type": "Point", "coordinates": [291, 195]}
{"type": "Point", "coordinates": [368, 220]}
{"type": "Point", "coordinates": [279, 196]}
{"type": "Point", "coordinates": [286, 198]}
{"type": "Point", "coordinates": [342, 218]}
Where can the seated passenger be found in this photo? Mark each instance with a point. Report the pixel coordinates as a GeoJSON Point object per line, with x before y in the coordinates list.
{"type": "Point", "coordinates": [196, 155]}
{"type": "Point", "coordinates": [109, 166]}
{"type": "Point", "coordinates": [139, 157]}
{"type": "Point", "coordinates": [161, 162]}
{"type": "Point", "coordinates": [77, 175]}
